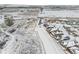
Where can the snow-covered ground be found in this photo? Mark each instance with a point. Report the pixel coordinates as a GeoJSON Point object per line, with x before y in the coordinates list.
{"type": "Point", "coordinates": [60, 13]}
{"type": "Point", "coordinates": [23, 40]}
{"type": "Point", "coordinates": [31, 38]}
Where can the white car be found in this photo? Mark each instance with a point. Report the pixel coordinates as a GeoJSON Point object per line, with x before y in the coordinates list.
{"type": "Point", "coordinates": [72, 43]}
{"type": "Point", "coordinates": [73, 50]}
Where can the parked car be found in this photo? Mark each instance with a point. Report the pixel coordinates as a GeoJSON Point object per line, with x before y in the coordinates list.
{"type": "Point", "coordinates": [72, 43]}
{"type": "Point", "coordinates": [58, 35]}
{"type": "Point", "coordinates": [49, 28]}
{"type": "Point", "coordinates": [73, 50]}
{"type": "Point", "coordinates": [65, 41]}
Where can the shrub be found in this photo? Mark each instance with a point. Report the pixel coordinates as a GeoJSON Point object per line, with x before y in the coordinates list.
{"type": "Point", "coordinates": [9, 22]}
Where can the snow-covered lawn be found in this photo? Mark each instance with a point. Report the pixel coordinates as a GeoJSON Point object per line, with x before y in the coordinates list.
{"type": "Point", "coordinates": [22, 40]}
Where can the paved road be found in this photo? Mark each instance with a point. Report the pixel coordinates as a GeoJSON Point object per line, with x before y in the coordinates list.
{"type": "Point", "coordinates": [50, 45]}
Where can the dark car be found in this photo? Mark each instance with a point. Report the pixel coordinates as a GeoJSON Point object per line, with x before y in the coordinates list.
{"type": "Point", "coordinates": [65, 41]}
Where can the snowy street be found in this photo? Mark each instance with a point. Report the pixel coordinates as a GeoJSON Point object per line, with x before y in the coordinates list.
{"type": "Point", "coordinates": [50, 44]}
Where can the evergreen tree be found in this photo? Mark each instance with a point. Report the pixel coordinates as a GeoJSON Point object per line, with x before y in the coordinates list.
{"type": "Point", "coordinates": [9, 21]}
